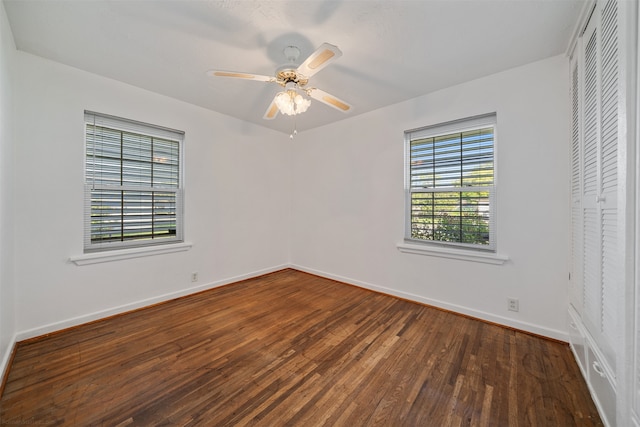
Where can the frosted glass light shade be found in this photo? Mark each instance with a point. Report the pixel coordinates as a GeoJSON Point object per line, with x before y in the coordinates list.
{"type": "Point", "coordinates": [290, 102]}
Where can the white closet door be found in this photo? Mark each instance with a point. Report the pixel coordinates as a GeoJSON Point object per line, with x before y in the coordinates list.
{"type": "Point", "coordinates": [601, 180]}
{"type": "Point", "coordinates": [600, 257]}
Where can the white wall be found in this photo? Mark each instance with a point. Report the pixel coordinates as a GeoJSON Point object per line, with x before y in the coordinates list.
{"type": "Point", "coordinates": [7, 324]}
{"type": "Point", "coordinates": [348, 200]}
{"type": "Point", "coordinates": [236, 199]}
{"type": "Point", "coordinates": [331, 202]}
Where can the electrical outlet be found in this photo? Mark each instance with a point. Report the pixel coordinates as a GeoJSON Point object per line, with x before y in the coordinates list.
{"type": "Point", "coordinates": [194, 276]}
{"type": "Point", "coordinates": [513, 304]}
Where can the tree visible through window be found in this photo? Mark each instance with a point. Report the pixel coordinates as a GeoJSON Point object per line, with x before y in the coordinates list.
{"type": "Point", "coordinates": [450, 177]}
{"type": "Point", "coordinates": [133, 184]}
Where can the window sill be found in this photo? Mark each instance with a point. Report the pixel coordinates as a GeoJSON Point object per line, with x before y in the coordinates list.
{"type": "Point", "coordinates": [461, 254]}
{"type": "Point", "coordinates": [117, 255]}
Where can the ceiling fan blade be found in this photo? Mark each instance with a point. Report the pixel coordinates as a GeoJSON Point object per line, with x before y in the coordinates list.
{"type": "Point", "coordinates": [272, 111]}
{"type": "Point", "coordinates": [246, 76]}
{"type": "Point", "coordinates": [319, 59]}
{"type": "Point", "coordinates": [329, 99]}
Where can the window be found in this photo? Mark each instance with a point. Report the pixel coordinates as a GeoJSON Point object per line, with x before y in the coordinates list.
{"type": "Point", "coordinates": [133, 181]}
{"type": "Point", "coordinates": [450, 184]}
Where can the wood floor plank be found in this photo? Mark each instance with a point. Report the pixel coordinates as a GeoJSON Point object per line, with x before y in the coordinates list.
{"type": "Point", "coordinates": [293, 349]}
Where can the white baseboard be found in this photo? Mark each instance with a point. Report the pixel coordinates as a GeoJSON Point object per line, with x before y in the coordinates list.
{"type": "Point", "coordinates": [489, 317]}
{"type": "Point", "coordinates": [6, 358]}
{"type": "Point", "coordinates": [90, 317]}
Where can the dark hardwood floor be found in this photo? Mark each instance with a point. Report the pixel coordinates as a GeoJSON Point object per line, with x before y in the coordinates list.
{"type": "Point", "coordinates": [293, 349]}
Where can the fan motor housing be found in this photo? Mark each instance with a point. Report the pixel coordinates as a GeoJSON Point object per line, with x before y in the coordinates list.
{"type": "Point", "coordinates": [289, 75]}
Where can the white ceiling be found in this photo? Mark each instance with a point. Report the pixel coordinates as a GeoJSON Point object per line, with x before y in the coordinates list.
{"type": "Point", "coordinates": [392, 50]}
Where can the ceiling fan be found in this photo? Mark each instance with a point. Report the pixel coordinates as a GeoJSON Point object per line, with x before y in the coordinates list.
{"type": "Point", "coordinates": [295, 79]}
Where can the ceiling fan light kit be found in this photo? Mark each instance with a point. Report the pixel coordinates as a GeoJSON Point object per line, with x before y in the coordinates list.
{"type": "Point", "coordinates": [290, 102]}
{"type": "Point", "coordinates": [295, 79]}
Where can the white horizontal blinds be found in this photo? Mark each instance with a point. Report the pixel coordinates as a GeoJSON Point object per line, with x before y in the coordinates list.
{"type": "Point", "coordinates": [133, 180]}
{"type": "Point", "coordinates": [451, 181]}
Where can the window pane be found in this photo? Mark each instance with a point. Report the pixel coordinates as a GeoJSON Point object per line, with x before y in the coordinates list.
{"type": "Point", "coordinates": [453, 160]}
{"type": "Point", "coordinates": [477, 157]}
{"type": "Point", "coordinates": [123, 158]}
{"type": "Point", "coordinates": [136, 160]}
{"type": "Point", "coordinates": [421, 173]}
{"type": "Point", "coordinates": [132, 215]}
{"type": "Point", "coordinates": [165, 163]}
{"type": "Point", "coordinates": [461, 217]}
{"type": "Point", "coordinates": [446, 160]}
{"type": "Point", "coordinates": [103, 155]}
{"type": "Point", "coordinates": [106, 215]}
{"type": "Point", "coordinates": [164, 210]}
{"type": "Point", "coordinates": [137, 215]}
{"type": "Point", "coordinates": [475, 217]}
{"type": "Point", "coordinates": [422, 216]}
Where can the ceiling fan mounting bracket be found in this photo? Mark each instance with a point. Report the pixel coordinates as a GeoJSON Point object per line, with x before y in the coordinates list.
{"type": "Point", "coordinates": [291, 53]}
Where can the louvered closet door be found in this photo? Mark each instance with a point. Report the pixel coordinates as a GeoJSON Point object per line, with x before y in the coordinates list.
{"type": "Point", "coordinates": [601, 272]}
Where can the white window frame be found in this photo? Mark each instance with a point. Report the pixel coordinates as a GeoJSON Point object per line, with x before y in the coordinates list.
{"type": "Point", "coordinates": [144, 244]}
{"type": "Point", "coordinates": [458, 250]}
